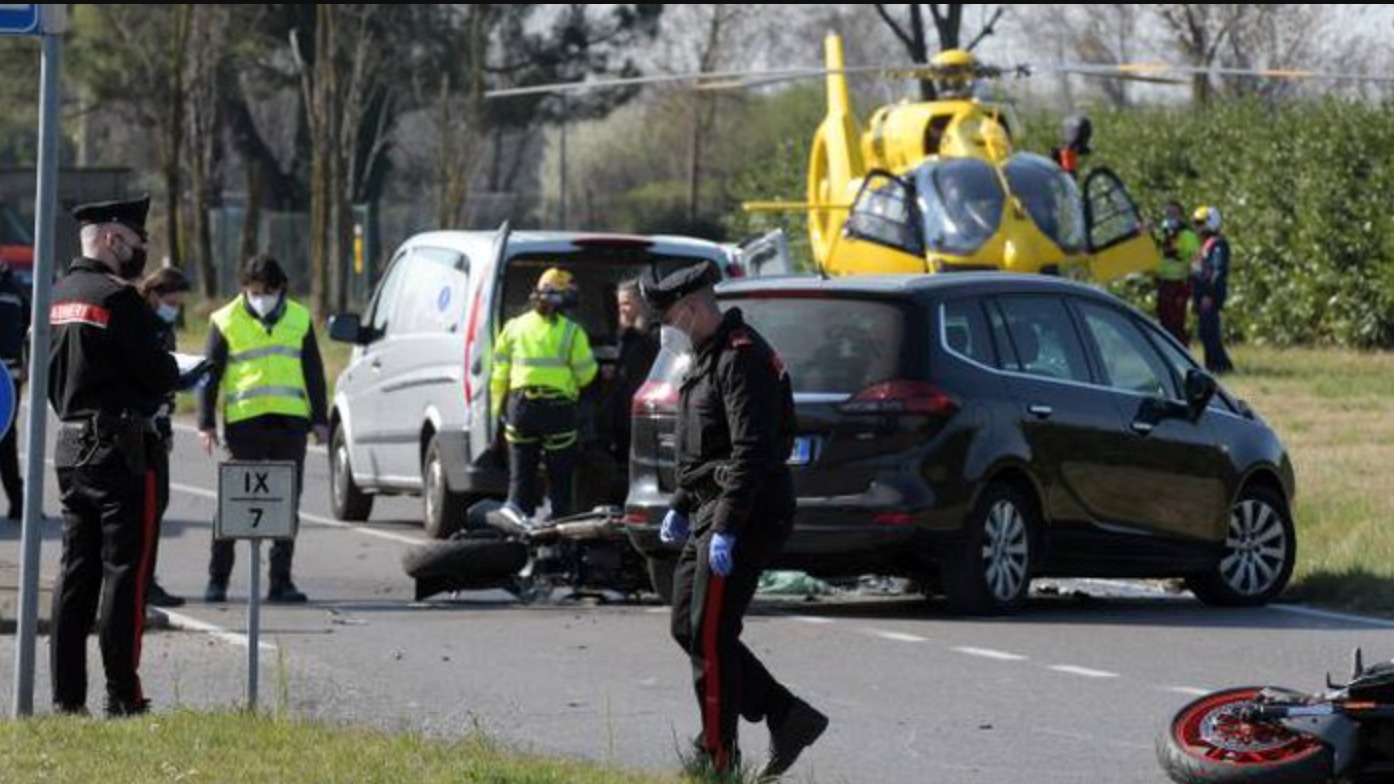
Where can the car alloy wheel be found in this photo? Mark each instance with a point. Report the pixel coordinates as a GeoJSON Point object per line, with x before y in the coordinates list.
{"type": "Point", "coordinates": [990, 572]}
{"type": "Point", "coordinates": [1006, 551]}
{"type": "Point", "coordinates": [1257, 548]}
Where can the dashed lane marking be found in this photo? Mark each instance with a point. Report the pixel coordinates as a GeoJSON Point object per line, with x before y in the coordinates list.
{"type": "Point", "coordinates": [988, 653]}
{"type": "Point", "coordinates": [188, 623]}
{"type": "Point", "coordinates": [1083, 672]}
{"type": "Point", "coordinates": [896, 636]}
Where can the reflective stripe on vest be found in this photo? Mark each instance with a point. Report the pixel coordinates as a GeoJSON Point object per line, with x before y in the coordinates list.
{"type": "Point", "coordinates": [264, 373]}
{"type": "Point", "coordinates": [536, 352]}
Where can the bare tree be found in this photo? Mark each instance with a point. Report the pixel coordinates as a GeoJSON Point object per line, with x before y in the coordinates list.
{"type": "Point", "coordinates": [1200, 32]}
{"type": "Point", "coordinates": [948, 29]}
{"type": "Point", "coordinates": [1105, 34]}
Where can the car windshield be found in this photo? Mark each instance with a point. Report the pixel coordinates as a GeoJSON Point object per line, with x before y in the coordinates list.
{"type": "Point", "coordinates": [1051, 197]}
{"type": "Point", "coordinates": [962, 202]}
{"type": "Point", "coordinates": [831, 346]}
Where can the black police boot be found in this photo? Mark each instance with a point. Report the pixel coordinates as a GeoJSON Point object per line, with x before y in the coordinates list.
{"type": "Point", "coordinates": [285, 592]}
{"type": "Point", "coordinates": [159, 597]}
{"type": "Point", "coordinates": [216, 592]}
{"type": "Point", "coordinates": [120, 709]}
{"type": "Point", "coordinates": [801, 726]}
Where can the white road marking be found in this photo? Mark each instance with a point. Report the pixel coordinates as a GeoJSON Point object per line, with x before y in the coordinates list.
{"type": "Point", "coordinates": [187, 623]}
{"type": "Point", "coordinates": [1188, 691]}
{"type": "Point", "coordinates": [1083, 672]}
{"type": "Point", "coordinates": [813, 620]}
{"type": "Point", "coordinates": [316, 519]}
{"type": "Point", "coordinates": [896, 636]}
{"type": "Point", "coordinates": [988, 653]}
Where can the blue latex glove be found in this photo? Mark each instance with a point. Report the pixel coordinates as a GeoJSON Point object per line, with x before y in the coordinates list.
{"type": "Point", "coordinates": [723, 554]}
{"type": "Point", "coordinates": [674, 528]}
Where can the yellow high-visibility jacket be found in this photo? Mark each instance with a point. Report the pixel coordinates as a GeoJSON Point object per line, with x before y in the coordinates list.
{"type": "Point", "coordinates": [537, 351]}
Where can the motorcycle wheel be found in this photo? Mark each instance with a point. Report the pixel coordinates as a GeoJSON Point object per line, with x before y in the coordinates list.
{"type": "Point", "coordinates": [464, 564]}
{"type": "Point", "coordinates": [1210, 742]}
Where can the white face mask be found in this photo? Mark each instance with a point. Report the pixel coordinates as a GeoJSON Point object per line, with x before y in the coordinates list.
{"type": "Point", "coordinates": [263, 304]}
{"type": "Point", "coordinates": [167, 313]}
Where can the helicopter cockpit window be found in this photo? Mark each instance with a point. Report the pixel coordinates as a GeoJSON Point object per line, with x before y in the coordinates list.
{"type": "Point", "coordinates": [962, 202]}
{"type": "Point", "coordinates": [1051, 197]}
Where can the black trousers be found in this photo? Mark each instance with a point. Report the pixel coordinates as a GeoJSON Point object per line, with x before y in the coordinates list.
{"type": "Point", "coordinates": [9, 469]}
{"type": "Point", "coordinates": [707, 619]}
{"type": "Point", "coordinates": [1212, 338]}
{"type": "Point", "coordinates": [108, 531]}
{"type": "Point", "coordinates": [541, 430]}
{"type": "Point", "coordinates": [253, 440]}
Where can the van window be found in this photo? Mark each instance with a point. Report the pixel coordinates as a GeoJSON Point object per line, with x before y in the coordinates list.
{"type": "Point", "coordinates": [966, 333]}
{"type": "Point", "coordinates": [433, 289]}
{"type": "Point", "coordinates": [386, 297]}
{"type": "Point", "coordinates": [1042, 337]}
{"type": "Point", "coordinates": [830, 345]}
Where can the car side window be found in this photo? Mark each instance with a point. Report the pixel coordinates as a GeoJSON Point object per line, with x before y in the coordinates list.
{"type": "Point", "coordinates": [1129, 363]}
{"type": "Point", "coordinates": [965, 331]}
{"type": "Point", "coordinates": [1043, 337]}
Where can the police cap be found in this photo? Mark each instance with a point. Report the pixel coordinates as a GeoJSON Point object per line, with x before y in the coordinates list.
{"type": "Point", "coordinates": [127, 212]}
{"type": "Point", "coordinates": [661, 292]}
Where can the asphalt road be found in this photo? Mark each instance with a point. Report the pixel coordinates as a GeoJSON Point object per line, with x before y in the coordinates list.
{"type": "Point", "coordinates": [1074, 690]}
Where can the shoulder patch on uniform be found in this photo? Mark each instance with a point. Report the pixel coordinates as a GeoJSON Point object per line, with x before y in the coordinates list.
{"type": "Point", "coordinates": [65, 313]}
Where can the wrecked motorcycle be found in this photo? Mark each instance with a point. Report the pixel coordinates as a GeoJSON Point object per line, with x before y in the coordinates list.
{"type": "Point", "coordinates": [587, 554]}
{"type": "Point", "coordinates": [1270, 734]}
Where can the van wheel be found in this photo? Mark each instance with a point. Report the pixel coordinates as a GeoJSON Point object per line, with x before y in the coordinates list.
{"type": "Point", "coordinates": [990, 573]}
{"type": "Point", "coordinates": [443, 512]}
{"type": "Point", "coordinates": [349, 501]}
{"type": "Point", "coordinates": [1259, 555]}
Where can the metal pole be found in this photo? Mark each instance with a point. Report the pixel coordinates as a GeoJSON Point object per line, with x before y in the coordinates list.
{"type": "Point", "coordinates": [37, 418]}
{"type": "Point", "coordinates": [253, 626]}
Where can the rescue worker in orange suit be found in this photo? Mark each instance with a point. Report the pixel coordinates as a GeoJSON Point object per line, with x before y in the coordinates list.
{"type": "Point", "coordinates": [735, 430]}
{"type": "Point", "coordinates": [1180, 246]}
{"type": "Point", "coordinates": [108, 376]}
{"type": "Point", "coordinates": [1210, 278]}
{"type": "Point", "coordinates": [542, 361]}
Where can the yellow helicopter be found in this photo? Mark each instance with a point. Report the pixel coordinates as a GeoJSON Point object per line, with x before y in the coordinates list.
{"type": "Point", "coordinates": [937, 186]}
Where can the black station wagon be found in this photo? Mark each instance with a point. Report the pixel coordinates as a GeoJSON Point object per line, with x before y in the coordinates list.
{"type": "Point", "coordinates": [975, 431]}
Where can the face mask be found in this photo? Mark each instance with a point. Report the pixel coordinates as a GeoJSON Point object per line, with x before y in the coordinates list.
{"type": "Point", "coordinates": [134, 264]}
{"type": "Point", "coordinates": [1171, 225]}
{"type": "Point", "coordinates": [263, 304]}
{"type": "Point", "coordinates": [167, 313]}
{"type": "Point", "coordinates": [682, 323]}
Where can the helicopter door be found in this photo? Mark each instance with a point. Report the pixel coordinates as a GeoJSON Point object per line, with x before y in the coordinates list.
{"type": "Point", "coordinates": [884, 213]}
{"type": "Point", "coordinates": [766, 255]}
{"type": "Point", "coordinates": [1119, 242]}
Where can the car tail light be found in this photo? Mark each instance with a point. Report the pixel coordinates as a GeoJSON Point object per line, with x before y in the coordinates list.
{"type": "Point", "coordinates": [471, 333]}
{"type": "Point", "coordinates": [901, 397]}
{"type": "Point", "coordinates": [735, 270]}
{"type": "Point", "coordinates": [635, 517]}
{"type": "Point", "coordinates": [655, 397]}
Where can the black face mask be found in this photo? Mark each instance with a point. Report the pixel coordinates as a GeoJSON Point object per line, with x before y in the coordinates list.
{"type": "Point", "coordinates": [133, 267]}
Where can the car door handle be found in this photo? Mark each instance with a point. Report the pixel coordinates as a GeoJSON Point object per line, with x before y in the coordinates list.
{"type": "Point", "coordinates": [1041, 412]}
{"type": "Point", "coordinates": [1143, 428]}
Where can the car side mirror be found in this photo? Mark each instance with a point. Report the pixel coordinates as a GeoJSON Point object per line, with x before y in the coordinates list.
{"type": "Point", "coordinates": [347, 328]}
{"type": "Point", "coordinates": [1200, 390]}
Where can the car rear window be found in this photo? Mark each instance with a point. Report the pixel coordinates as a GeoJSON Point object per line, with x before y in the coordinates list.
{"type": "Point", "coordinates": [830, 345]}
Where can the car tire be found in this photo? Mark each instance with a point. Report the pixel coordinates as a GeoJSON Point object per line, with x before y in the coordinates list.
{"type": "Point", "coordinates": [661, 572]}
{"type": "Point", "coordinates": [990, 572]}
{"type": "Point", "coordinates": [348, 500]}
{"type": "Point", "coordinates": [443, 511]}
{"type": "Point", "coordinates": [1260, 553]}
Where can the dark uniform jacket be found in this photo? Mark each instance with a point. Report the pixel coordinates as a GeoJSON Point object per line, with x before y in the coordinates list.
{"type": "Point", "coordinates": [735, 431]}
{"type": "Point", "coordinates": [106, 356]}
{"type": "Point", "coordinates": [1212, 278]}
{"type": "Point", "coordinates": [637, 350]}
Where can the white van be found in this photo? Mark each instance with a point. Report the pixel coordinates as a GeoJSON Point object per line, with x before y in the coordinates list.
{"type": "Point", "coordinates": [411, 410]}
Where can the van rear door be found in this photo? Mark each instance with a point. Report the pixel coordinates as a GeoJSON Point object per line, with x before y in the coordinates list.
{"type": "Point", "coordinates": [479, 347]}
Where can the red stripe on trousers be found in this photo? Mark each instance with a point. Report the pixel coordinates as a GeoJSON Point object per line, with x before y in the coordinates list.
{"type": "Point", "coordinates": [147, 525]}
{"type": "Point", "coordinates": [711, 705]}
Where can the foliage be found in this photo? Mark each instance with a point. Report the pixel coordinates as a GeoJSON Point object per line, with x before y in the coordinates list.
{"type": "Point", "coordinates": [1305, 190]}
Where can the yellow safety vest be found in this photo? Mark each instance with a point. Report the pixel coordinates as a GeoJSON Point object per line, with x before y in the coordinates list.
{"type": "Point", "coordinates": [1179, 269]}
{"type": "Point", "coordinates": [264, 372]}
{"type": "Point", "coordinates": [535, 351]}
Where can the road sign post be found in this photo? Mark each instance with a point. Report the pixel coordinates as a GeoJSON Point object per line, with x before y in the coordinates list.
{"type": "Point", "coordinates": [49, 21]}
{"type": "Point", "coordinates": [256, 501]}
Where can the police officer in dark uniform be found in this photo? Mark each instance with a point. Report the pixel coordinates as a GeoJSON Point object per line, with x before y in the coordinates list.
{"type": "Point", "coordinates": [108, 376]}
{"type": "Point", "coordinates": [734, 433]}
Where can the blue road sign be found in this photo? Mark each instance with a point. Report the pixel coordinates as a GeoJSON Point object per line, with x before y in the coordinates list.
{"type": "Point", "coordinates": [19, 19]}
{"type": "Point", "coordinates": [9, 401]}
